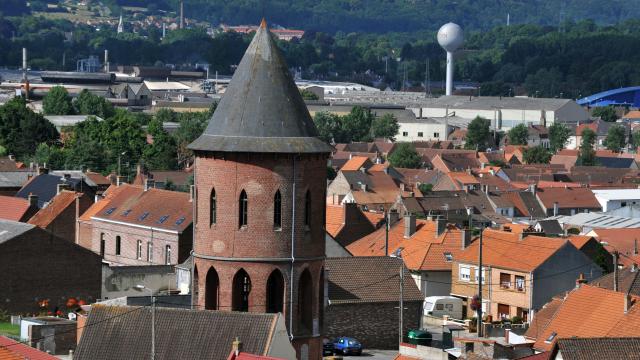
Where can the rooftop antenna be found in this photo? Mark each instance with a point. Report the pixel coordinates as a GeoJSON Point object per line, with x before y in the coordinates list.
{"type": "Point", "coordinates": [450, 37]}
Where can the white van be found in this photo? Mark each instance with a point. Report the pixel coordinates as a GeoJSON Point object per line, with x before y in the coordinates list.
{"type": "Point", "coordinates": [443, 305]}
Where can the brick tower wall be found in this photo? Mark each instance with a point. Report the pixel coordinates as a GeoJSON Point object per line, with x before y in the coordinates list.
{"type": "Point", "coordinates": [258, 248]}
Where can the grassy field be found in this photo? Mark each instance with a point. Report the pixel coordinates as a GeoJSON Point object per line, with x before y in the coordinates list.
{"type": "Point", "coordinates": [6, 329]}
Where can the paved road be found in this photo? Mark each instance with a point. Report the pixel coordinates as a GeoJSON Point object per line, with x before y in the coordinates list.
{"type": "Point", "coordinates": [375, 355]}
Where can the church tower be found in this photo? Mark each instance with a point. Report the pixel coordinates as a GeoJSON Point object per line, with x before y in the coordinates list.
{"type": "Point", "coordinates": [260, 178]}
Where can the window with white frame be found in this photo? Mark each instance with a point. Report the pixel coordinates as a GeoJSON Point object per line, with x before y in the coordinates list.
{"type": "Point", "coordinates": [149, 251]}
{"type": "Point", "coordinates": [167, 254]}
{"type": "Point", "coordinates": [476, 275]}
{"type": "Point", "coordinates": [465, 273]}
{"type": "Point", "coordinates": [420, 134]}
{"type": "Point", "coordinates": [519, 283]}
{"type": "Point", "coordinates": [139, 250]}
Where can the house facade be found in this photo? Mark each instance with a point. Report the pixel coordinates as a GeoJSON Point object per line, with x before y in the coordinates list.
{"type": "Point", "coordinates": [521, 273]}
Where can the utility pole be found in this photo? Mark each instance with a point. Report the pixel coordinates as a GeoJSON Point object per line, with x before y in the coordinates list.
{"type": "Point", "coordinates": [615, 270]}
{"type": "Point", "coordinates": [479, 310]}
{"type": "Point", "coordinates": [401, 292]}
{"type": "Point", "coordinates": [153, 327]}
{"type": "Point", "coordinates": [386, 234]}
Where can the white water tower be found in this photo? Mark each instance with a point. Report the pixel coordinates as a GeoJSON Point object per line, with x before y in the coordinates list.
{"type": "Point", "coordinates": [450, 37]}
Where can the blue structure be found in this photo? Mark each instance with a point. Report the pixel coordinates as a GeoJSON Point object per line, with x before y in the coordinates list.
{"type": "Point", "coordinates": [627, 96]}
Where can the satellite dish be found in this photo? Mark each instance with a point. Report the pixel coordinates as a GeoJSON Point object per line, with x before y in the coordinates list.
{"type": "Point", "coordinates": [450, 37]}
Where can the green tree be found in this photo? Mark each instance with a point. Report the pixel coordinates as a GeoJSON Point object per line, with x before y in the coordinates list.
{"type": "Point", "coordinates": [3, 151]}
{"type": "Point", "coordinates": [51, 155]}
{"type": "Point", "coordinates": [308, 95]}
{"type": "Point", "coordinates": [615, 140]}
{"type": "Point", "coordinates": [57, 102]}
{"type": "Point", "coordinates": [478, 134]}
{"type": "Point", "coordinates": [357, 124]}
{"type": "Point", "coordinates": [587, 156]}
{"type": "Point", "coordinates": [85, 149]}
{"type": "Point", "coordinates": [635, 139]}
{"type": "Point", "coordinates": [558, 136]}
{"type": "Point", "coordinates": [89, 104]}
{"type": "Point", "coordinates": [518, 135]}
{"type": "Point", "coordinates": [385, 126]}
{"type": "Point", "coordinates": [161, 154]}
{"type": "Point", "coordinates": [21, 130]}
{"type": "Point", "coordinates": [330, 127]}
{"type": "Point", "coordinates": [425, 188]}
{"type": "Point", "coordinates": [405, 156]}
{"type": "Point", "coordinates": [191, 127]}
{"type": "Point", "coordinates": [536, 155]}
{"type": "Point", "coordinates": [606, 113]}
{"type": "Point", "coordinates": [166, 115]}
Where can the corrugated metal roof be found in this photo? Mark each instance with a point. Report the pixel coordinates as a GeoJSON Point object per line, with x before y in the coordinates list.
{"type": "Point", "coordinates": [11, 229]}
{"type": "Point", "coordinates": [262, 109]}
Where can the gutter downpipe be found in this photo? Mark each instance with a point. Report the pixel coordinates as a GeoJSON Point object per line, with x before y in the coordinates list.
{"type": "Point", "coordinates": [293, 239]}
{"type": "Point", "coordinates": [193, 236]}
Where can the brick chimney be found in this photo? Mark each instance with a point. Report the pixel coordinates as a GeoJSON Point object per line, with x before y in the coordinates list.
{"type": "Point", "coordinates": [466, 235]}
{"type": "Point", "coordinates": [555, 208]}
{"type": "Point", "coordinates": [121, 180]}
{"type": "Point", "coordinates": [580, 280]}
{"type": "Point", "coordinates": [628, 302]}
{"type": "Point", "coordinates": [393, 216]}
{"type": "Point", "coordinates": [43, 170]}
{"type": "Point", "coordinates": [149, 184]}
{"type": "Point", "coordinates": [409, 225]}
{"type": "Point", "coordinates": [350, 213]}
{"type": "Point", "coordinates": [62, 187]}
{"type": "Point", "coordinates": [441, 225]}
{"type": "Point", "coordinates": [533, 188]}
{"type": "Point", "coordinates": [33, 200]}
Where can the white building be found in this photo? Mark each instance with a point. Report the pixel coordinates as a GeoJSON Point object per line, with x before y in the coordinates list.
{"type": "Point", "coordinates": [505, 112]}
{"type": "Point", "coordinates": [611, 199]}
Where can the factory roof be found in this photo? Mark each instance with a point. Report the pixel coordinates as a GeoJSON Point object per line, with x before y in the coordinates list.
{"type": "Point", "coordinates": [598, 221]}
{"type": "Point", "coordinates": [617, 194]}
{"type": "Point", "coordinates": [262, 109]}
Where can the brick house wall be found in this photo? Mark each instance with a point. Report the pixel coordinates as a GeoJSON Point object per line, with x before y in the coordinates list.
{"type": "Point", "coordinates": [180, 243]}
{"type": "Point", "coordinates": [468, 289]}
{"type": "Point", "coordinates": [509, 296]}
{"type": "Point", "coordinates": [64, 225]}
{"type": "Point", "coordinates": [36, 265]}
{"type": "Point", "coordinates": [375, 325]}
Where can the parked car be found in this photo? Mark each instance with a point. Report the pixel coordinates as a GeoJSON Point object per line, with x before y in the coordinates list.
{"type": "Point", "coordinates": [346, 345]}
{"type": "Point", "coordinates": [327, 347]}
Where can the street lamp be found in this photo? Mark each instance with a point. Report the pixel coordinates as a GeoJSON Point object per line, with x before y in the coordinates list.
{"type": "Point", "coordinates": [398, 254]}
{"type": "Point", "coordinates": [141, 288]}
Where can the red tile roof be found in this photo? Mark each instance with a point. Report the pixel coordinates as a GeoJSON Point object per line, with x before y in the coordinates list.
{"type": "Point", "coordinates": [568, 198]}
{"type": "Point", "coordinates": [355, 163]}
{"type": "Point", "coordinates": [23, 352]}
{"type": "Point", "coordinates": [133, 205]}
{"type": "Point", "coordinates": [58, 204]}
{"type": "Point", "coordinates": [13, 208]}
{"type": "Point", "coordinates": [423, 251]}
{"type": "Point", "coordinates": [591, 312]}
{"type": "Point", "coordinates": [505, 250]}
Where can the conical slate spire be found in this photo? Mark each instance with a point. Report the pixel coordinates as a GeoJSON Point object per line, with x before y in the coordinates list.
{"type": "Point", "coordinates": [262, 109]}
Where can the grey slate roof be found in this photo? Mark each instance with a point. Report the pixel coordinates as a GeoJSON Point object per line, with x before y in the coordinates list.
{"type": "Point", "coordinates": [599, 348]}
{"type": "Point", "coordinates": [13, 179]}
{"type": "Point", "coordinates": [11, 229]}
{"type": "Point", "coordinates": [46, 187]}
{"type": "Point", "coordinates": [369, 279]}
{"type": "Point", "coordinates": [124, 332]}
{"type": "Point", "coordinates": [551, 227]}
{"type": "Point", "coordinates": [262, 109]}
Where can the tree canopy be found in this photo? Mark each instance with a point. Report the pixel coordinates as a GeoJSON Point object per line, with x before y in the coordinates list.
{"type": "Point", "coordinates": [518, 135]}
{"type": "Point", "coordinates": [478, 134]}
{"type": "Point", "coordinates": [616, 138]}
{"type": "Point", "coordinates": [587, 155]}
{"type": "Point", "coordinates": [536, 155]}
{"type": "Point", "coordinates": [405, 156]}
{"type": "Point", "coordinates": [57, 102]}
{"type": "Point", "coordinates": [385, 126]}
{"type": "Point", "coordinates": [606, 113]}
{"type": "Point", "coordinates": [558, 136]}
{"type": "Point", "coordinates": [22, 130]}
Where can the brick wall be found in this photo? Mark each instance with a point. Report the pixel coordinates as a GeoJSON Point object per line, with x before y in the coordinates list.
{"type": "Point", "coordinates": [37, 266]}
{"type": "Point", "coordinates": [129, 237]}
{"type": "Point", "coordinates": [64, 225]}
{"type": "Point", "coordinates": [260, 176]}
{"type": "Point", "coordinates": [375, 325]}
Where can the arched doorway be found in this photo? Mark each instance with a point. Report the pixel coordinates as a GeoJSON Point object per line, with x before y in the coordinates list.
{"type": "Point", "coordinates": [212, 290]}
{"type": "Point", "coordinates": [305, 303]}
{"type": "Point", "coordinates": [241, 290]}
{"type": "Point", "coordinates": [275, 292]}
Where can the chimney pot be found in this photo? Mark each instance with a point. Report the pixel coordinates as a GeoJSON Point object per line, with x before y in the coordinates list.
{"type": "Point", "coordinates": [149, 184]}
{"type": "Point", "coordinates": [409, 225]}
{"type": "Point", "coordinates": [580, 280]}
{"type": "Point", "coordinates": [555, 208]}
